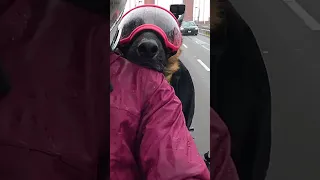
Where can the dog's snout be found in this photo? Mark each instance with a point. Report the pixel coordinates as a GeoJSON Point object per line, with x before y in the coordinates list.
{"type": "Point", "coordinates": [148, 49]}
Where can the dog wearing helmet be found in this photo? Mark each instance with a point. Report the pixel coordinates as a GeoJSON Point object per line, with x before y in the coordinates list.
{"type": "Point", "coordinates": [151, 38]}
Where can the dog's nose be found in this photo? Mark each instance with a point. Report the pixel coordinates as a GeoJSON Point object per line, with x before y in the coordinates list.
{"type": "Point", "coordinates": [148, 49]}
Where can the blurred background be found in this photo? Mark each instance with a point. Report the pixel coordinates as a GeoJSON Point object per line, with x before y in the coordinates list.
{"type": "Point", "coordinates": [288, 33]}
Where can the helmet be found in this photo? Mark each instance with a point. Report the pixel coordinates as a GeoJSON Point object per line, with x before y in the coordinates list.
{"type": "Point", "coordinates": [116, 11]}
{"type": "Point", "coordinates": [151, 18]}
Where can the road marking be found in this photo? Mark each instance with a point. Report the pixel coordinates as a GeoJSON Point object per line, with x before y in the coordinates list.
{"type": "Point", "coordinates": [203, 65]}
{"type": "Point", "coordinates": [185, 46]}
{"type": "Point", "coordinates": [206, 48]}
{"type": "Point", "coordinates": [202, 41]}
{"type": "Point", "coordinates": [199, 43]}
{"type": "Point", "coordinates": [303, 14]}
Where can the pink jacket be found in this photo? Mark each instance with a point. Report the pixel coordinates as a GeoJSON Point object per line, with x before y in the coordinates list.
{"type": "Point", "coordinates": [149, 137]}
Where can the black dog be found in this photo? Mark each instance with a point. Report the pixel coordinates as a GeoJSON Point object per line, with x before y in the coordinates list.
{"type": "Point", "coordinates": [146, 50]}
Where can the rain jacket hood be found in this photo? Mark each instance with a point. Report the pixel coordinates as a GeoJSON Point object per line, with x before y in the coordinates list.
{"type": "Point", "coordinates": [54, 118]}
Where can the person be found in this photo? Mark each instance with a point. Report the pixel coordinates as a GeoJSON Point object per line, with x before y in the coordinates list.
{"type": "Point", "coordinates": [147, 112]}
{"type": "Point", "coordinates": [54, 118]}
{"type": "Point", "coordinates": [138, 29]}
{"type": "Point", "coordinates": [240, 91]}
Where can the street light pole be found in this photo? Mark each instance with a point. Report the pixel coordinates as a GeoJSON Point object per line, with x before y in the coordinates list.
{"type": "Point", "coordinates": [203, 11]}
{"type": "Point", "coordinates": [198, 14]}
{"type": "Point", "coordinates": [198, 11]}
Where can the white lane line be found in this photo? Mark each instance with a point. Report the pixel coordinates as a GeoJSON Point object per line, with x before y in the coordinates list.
{"type": "Point", "coordinates": [203, 65]}
{"type": "Point", "coordinates": [206, 48]}
{"type": "Point", "coordinates": [202, 42]}
{"type": "Point", "coordinates": [185, 45]}
{"type": "Point", "coordinates": [303, 14]}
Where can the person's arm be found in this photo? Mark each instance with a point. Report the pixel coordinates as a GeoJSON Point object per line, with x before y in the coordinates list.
{"type": "Point", "coordinates": [167, 149]}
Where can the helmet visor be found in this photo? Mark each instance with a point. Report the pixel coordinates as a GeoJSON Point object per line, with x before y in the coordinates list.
{"type": "Point", "coordinates": [151, 17]}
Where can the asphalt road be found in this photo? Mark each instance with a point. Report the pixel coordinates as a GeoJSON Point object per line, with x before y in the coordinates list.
{"type": "Point", "coordinates": [290, 42]}
{"type": "Point", "coordinates": [196, 57]}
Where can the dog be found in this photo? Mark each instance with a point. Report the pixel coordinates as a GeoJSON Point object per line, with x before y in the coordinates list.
{"type": "Point", "coordinates": [147, 49]}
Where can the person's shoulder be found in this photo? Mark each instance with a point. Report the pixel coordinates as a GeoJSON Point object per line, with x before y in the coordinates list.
{"type": "Point", "coordinates": [137, 68]}
{"type": "Point", "coordinates": [146, 81]}
{"type": "Point", "coordinates": [140, 75]}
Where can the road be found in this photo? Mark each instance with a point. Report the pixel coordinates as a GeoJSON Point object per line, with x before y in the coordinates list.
{"type": "Point", "coordinates": [196, 57]}
{"type": "Point", "coordinates": [289, 39]}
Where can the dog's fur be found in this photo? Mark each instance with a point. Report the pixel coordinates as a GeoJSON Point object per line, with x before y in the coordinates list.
{"type": "Point", "coordinates": [173, 65]}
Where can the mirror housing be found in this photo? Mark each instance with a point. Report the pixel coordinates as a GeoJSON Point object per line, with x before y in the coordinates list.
{"type": "Point", "coordinates": [178, 11]}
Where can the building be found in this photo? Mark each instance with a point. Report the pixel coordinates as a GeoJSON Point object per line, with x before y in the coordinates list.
{"type": "Point", "coordinates": [188, 16]}
{"type": "Point", "coordinates": [149, 1]}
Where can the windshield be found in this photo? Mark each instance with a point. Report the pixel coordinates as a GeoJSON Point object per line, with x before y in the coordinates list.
{"type": "Point", "coordinates": [188, 23]}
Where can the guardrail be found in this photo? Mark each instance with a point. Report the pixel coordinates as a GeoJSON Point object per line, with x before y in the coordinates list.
{"type": "Point", "coordinates": [205, 32]}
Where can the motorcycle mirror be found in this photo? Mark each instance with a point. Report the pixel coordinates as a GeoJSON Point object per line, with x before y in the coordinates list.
{"type": "Point", "coordinates": [177, 9]}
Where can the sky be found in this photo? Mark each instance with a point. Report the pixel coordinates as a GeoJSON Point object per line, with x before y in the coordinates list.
{"type": "Point", "coordinates": [204, 6]}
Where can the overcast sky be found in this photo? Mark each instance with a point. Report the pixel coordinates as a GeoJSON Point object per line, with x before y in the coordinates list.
{"type": "Point", "coordinates": [204, 6]}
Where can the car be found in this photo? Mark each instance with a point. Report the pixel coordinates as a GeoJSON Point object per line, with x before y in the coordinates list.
{"type": "Point", "coordinates": [189, 28]}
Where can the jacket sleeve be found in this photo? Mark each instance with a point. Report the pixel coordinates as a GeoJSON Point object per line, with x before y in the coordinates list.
{"type": "Point", "coordinates": [167, 149]}
{"type": "Point", "coordinates": [222, 166]}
